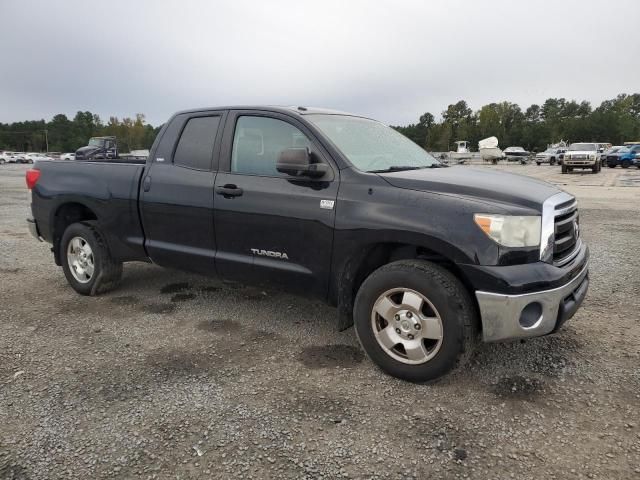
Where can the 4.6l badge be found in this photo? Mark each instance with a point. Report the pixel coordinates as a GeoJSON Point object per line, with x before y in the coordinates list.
{"type": "Point", "coordinates": [327, 204]}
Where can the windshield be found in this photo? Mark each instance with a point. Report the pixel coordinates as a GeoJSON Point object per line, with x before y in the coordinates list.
{"type": "Point", "coordinates": [583, 147]}
{"type": "Point", "coordinates": [550, 150]}
{"type": "Point", "coordinates": [624, 150]}
{"type": "Point", "coordinates": [371, 146]}
{"type": "Point", "coordinates": [96, 142]}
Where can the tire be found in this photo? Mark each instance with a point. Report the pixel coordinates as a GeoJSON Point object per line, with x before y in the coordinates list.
{"type": "Point", "coordinates": [105, 272]}
{"type": "Point", "coordinates": [594, 169]}
{"type": "Point", "coordinates": [538, 163]}
{"type": "Point", "coordinates": [564, 169]}
{"type": "Point", "coordinates": [611, 165]}
{"type": "Point", "coordinates": [447, 310]}
{"type": "Point", "coordinates": [569, 169]}
{"type": "Point", "coordinates": [626, 164]}
{"type": "Point", "coordinates": [552, 162]}
{"type": "Point", "coordinates": [1, 161]}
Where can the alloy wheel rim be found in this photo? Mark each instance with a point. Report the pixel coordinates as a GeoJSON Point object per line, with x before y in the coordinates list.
{"type": "Point", "coordinates": [407, 326]}
{"type": "Point", "coordinates": [80, 259]}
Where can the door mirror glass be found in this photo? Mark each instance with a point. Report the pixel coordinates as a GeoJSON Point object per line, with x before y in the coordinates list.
{"type": "Point", "coordinates": [298, 162]}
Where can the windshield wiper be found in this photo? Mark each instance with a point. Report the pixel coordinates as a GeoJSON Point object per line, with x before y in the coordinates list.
{"type": "Point", "coordinates": [396, 168]}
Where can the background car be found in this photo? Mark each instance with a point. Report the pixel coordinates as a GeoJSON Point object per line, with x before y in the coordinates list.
{"type": "Point", "coordinates": [516, 154]}
{"type": "Point", "coordinates": [550, 156]}
{"type": "Point", "coordinates": [625, 157]}
{"type": "Point", "coordinates": [9, 157]}
{"type": "Point", "coordinates": [34, 157]}
{"type": "Point", "coordinates": [68, 156]}
{"type": "Point", "coordinates": [610, 152]}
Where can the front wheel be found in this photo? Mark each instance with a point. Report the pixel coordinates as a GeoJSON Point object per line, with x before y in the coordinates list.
{"type": "Point", "coordinates": [86, 261]}
{"type": "Point", "coordinates": [564, 169]}
{"type": "Point", "coordinates": [415, 320]}
{"type": "Point", "coordinates": [626, 164]}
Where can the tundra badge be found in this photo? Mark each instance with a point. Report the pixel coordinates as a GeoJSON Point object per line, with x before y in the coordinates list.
{"type": "Point", "coordinates": [269, 253]}
{"type": "Point", "coordinates": [327, 204]}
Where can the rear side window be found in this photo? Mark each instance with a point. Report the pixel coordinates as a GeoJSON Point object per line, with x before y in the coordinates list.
{"type": "Point", "coordinates": [195, 148]}
{"type": "Point", "coordinates": [257, 144]}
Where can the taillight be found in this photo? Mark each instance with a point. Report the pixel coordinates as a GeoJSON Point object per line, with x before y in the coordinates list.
{"type": "Point", "coordinates": [32, 176]}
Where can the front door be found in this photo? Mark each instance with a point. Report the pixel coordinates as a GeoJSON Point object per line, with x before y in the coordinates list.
{"type": "Point", "coordinates": [177, 194]}
{"type": "Point", "coordinates": [272, 229]}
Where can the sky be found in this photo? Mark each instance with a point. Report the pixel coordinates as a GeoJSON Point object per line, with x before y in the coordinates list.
{"type": "Point", "coordinates": [390, 60]}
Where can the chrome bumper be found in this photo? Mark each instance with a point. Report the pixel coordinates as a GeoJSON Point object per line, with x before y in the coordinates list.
{"type": "Point", "coordinates": [33, 228]}
{"type": "Point", "coordinates": [504, 316]}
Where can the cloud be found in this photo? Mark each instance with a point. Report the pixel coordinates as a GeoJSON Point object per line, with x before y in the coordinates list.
{"type": "Point", "coordinates": [392, 60]}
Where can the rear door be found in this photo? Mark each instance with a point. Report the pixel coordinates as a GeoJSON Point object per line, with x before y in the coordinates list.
{"type": "Point", "coordinates": [272, 229]}
{"type": "Point", "coordinates": [177, 193]}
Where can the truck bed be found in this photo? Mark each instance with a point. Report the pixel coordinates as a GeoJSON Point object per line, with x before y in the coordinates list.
{"type": "Point", "coordinates": [108, 188]}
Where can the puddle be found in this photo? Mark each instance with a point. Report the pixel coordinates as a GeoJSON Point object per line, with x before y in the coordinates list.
{"type": "Point", "coordinates": [329, 356]}
{"type": "Point", "coordinates": [124, 300]}
{"type": "Point", "coordinates": [219, 325]}
{"type": "Point", "coordinates": [518, 387]}
{"type": "Point", "coordinates": [160, 308]}
{"type": "Point", "coordinates": [182, 297]}
{"type": "Point", "coordinates": [175, 287]}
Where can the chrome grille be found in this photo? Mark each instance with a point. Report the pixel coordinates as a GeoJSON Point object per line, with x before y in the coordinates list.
{"type": "Point", "coordinates": [566, 232]}
{"type": "Point", "coordinates": [560, 236]}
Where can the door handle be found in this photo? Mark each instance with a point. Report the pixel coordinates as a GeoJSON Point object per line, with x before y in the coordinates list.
{"type": "Point", "coordinates": [229, 191]}
{"type": "Point", "coordinates": [147, 183]}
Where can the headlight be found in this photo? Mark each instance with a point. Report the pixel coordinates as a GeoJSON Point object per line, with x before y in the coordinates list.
{"type": "Point", "coordinates": [592, 157]}
{"type": "Point", "coordinates": [511, 231]}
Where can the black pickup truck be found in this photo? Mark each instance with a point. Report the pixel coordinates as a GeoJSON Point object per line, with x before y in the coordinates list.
{"type": "Point", "coordinates": [423, 258]}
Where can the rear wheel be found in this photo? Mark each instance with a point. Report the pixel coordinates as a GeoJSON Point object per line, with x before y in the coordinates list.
{"type": "Point", "coordinates": [86, 261]}
{"type": "Point", "coordinates": [626, 164]}
{"type": "Point", "coordinates": [415, 320]}
{"type": "Point", "coordinates": [611, 165]}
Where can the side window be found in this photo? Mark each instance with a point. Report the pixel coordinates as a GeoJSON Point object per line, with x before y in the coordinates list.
{"type": "Point", "coordinates": [195, 148]}
{"type": "Point", "coordinates": [258, 141]}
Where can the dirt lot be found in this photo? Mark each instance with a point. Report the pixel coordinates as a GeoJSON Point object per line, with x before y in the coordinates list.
{"type": "Point", "coordinates": [179, 376]}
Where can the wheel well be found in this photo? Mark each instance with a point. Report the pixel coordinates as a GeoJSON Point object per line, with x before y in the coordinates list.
{"type": "Point", "coordinates": [381, 254]}
{"type": "Point", "coordinates": [66, 215]}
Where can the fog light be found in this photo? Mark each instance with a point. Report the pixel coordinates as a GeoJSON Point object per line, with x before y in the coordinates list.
{"type": "Point", "coordinates": [531, 314]}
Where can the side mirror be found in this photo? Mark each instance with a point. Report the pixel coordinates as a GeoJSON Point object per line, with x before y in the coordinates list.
{"type": "Point", "coordinates": [297, 162]}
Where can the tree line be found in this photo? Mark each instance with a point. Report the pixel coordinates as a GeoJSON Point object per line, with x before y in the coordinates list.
{"type": "Point", "coordinates": [64, 135]}
{"type": "Point", "coordinates": [615, 121]}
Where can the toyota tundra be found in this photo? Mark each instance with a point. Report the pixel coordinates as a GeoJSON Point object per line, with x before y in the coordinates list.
{"type": "Point", "coordinates": [423, 259]}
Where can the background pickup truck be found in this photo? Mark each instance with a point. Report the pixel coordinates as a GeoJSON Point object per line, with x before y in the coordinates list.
{"type": "Point", "coordinates": [424, 259]}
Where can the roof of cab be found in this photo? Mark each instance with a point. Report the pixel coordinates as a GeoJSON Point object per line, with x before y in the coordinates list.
{"type": "Point", "coordinates": [299, 110]}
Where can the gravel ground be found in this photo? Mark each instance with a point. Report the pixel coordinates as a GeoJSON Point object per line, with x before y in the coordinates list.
{"type": "Point", "coordinates": [179, 376]}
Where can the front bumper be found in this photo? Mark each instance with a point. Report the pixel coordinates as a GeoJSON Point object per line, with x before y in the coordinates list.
{"type": "Point", "coordinates": [579, 163]}
{"type": "Point", "coordinates": [532, 314]}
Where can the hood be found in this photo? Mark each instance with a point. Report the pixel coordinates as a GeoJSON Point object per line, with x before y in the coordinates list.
{"type": "Point", "coordinates": [84, 152]}
{"type": "Point", "coordinates": [581, 152]}
{"type": "Point", "coordinates": [485, 185]}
